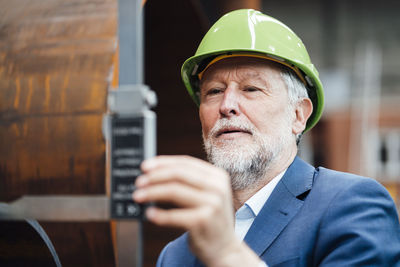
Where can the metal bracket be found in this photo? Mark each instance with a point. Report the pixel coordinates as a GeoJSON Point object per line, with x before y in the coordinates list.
{"type": "Point", "coordinates": [58, 208]}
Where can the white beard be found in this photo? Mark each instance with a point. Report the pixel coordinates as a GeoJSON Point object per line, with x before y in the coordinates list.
{"type": "Point", "coordinates": [246, 164]}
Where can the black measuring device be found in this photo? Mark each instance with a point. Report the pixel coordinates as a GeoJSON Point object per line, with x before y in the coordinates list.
{"type": "Point", "coordinates": [130, 126]}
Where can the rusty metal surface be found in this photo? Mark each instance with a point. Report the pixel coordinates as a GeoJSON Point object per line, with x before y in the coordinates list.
{"type": "Point", "coordinates": [56, 63]}
{"type": "Point", "coordinates": [55, 60]}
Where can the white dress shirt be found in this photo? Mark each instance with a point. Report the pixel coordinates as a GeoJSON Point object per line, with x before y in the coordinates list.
{"type": "Point", "coordinates": [246, 214]}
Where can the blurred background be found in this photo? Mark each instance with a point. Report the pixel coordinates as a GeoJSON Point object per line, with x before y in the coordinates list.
{"type": "Point", "coordinates": [58, 59]}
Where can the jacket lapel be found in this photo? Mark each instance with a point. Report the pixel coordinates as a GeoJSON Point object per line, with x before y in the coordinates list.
{"type": "Point", "coordinates": [281, 207]}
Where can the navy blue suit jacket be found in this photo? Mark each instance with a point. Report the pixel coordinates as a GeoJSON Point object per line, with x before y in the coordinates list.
{"type": "Point", "coordinates": [317, 217]}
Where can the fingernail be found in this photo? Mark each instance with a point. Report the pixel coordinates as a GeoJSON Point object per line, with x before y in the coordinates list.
{"type": "Point", "coordinates": [139, 195]}
{"type": "Point", "coordinates": [148, 164]}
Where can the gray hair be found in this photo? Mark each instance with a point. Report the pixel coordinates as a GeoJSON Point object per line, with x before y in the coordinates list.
{"type": "Point", "coordinates": [297, 91]}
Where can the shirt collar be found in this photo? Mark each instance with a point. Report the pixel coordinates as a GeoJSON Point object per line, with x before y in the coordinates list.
{"type": "Point", "coordinates": [257, 201]}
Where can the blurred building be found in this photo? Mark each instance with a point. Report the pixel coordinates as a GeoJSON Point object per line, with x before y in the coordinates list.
{"type": "Point", "coordinates": [355, 46]}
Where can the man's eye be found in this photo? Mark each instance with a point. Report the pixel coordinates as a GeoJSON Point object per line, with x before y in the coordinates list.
{"type": "Point", "coordinates": [250, 89]}
{"type": "Point", "coordinates": [214, 91]}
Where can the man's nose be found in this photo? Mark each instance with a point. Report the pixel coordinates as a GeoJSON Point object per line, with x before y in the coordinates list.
{"type": "Point", "coordinates": [230, 103]}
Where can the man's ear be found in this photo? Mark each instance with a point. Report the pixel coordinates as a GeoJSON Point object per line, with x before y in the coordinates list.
{"type": "Point", "coordinates": [303, 111]}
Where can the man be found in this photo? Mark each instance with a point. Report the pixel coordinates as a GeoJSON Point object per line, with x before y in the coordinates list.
{"type": "Point", "coordinates": [257, 93]}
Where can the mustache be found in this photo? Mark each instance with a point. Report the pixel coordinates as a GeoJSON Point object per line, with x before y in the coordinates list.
{"type": "Point", "coordinates": [224, 123]}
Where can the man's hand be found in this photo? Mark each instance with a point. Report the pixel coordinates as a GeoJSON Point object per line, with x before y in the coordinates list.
{"type": "Point", "coordinates": [202, 195]}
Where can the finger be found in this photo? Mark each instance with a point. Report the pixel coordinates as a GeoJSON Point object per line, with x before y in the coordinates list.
{"type": "Point", "coordinates": [183, 161]}
{"type": "Point", "coordinates": [181, 218]}
{"type": "Point", "coordinates": [174, 174]}
{"type": "Point", "coordinates": [173, 193]}
{"type": "Point", "coordinates": [193, 167]}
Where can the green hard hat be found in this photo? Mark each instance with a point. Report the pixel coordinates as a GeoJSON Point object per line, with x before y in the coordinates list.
{"type": "Point", "coordinates": [250, 32]}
